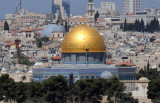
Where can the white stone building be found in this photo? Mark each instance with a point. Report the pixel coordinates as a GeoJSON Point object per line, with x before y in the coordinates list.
{"type": "Point", "coordinates": [131, 6]}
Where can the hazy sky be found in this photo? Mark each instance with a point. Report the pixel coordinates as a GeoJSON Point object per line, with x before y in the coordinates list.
{"type": "Point", "coordinates": [77, 6]}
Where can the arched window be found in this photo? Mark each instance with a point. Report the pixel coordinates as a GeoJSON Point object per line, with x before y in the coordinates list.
{"type": "Point", "coordinates": [131, 87]}
{"type": "Point", "coordinates": [26, 35]}
{"type": "Point", "coordinates": [24, 78]}
{"type": "Point", "coordinates": [29, 35]}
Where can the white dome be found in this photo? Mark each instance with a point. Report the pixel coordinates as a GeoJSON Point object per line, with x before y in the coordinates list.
{"type": "Point", "coordinates": [106, 75]}
{"type": "Point", "coordinates": [47, 31]}
{"type": "Point", "coordinates": [143, 79]}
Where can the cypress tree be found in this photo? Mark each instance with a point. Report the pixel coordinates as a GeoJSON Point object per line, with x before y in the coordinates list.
{"type": "Point", "coordinates": [6, 26]}
{"type": "Point", "coordinates": [147, 29]}
{"type": "Point", "coordinates": [142, 26]}
{"type": "Point", "coordinates": [96, 16]}
{"type": "Point", "coordinates": [125, 25]}
{"type": "Point", "coordinates": [135, 25]}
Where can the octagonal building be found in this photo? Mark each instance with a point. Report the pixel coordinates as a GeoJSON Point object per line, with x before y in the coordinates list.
{"type": "Point", "coordinates": [84, 56]}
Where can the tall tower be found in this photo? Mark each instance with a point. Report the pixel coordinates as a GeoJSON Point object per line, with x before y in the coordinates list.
{"type": "Point", "coordinates": [57, 8]}
{"type": "Point", "coordinates": [90, 8]}
{"type": "Point", "coordinates": [90, 12]}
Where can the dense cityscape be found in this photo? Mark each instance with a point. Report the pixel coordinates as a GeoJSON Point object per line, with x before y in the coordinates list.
{"type": "Point", "coordinates": [103, 56]}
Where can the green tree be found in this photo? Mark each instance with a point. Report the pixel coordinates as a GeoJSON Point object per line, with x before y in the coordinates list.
{"type": "Point", "coordinates": [21, 59]}
{"type": "Point", "coordinates": [19, 55]}
{"type": "Point", "coordinates": [40, 41]}
{"type": "Point", "coordinates": [89, 90]}
{"type": "Point", "coordinates": [142, 26]}
{"type": "Point", "coordinates": [153, 89]}
{"type": "Point", "coordinates": [7, 88]}
{"type": "Point", "coordinates": [115, 90]}
{"type": "Point", "coordinates": [55, 89]}
{"type": "Point", "coordinates": [6, 26]}
{"type": "Point", "coordinates": [35, 92]}
{"type": "Point", "coordinates": [148, 66]}
{"type": "Point", "coordinates": [66, 27]}
{"type": "Point", "coordinates": [96, 16]}
{"type": "Point", "coordinates": [125, 25]}
{"type": "Point", "coordinates": [127, 98]}
{"type": "Point", "coordinates": [147, 29]}
{"type": "Point", "coordinates": [71, 88]}
{"type": "Point", "coordinates": [151, 74]}
{"type": "Point", "coordinates": [152, 39]}
{"type": "Point", "coordinates": [137, 25]}
{"type": "Point", "coordinates": [20, 92]}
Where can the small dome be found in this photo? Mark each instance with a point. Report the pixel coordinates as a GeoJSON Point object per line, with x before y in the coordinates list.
{"type": "Point", "coordinates": [143, 79]}
{"type": "Point", "coordinates": [47, 31]}
{"type": "Point", "coordinates": [106, 75]}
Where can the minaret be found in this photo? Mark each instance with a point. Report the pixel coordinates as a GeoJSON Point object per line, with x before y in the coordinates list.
{"type": "Point", "coordinates": [90, 10]}
{"type": "Point", "coordinates": [16, 7]}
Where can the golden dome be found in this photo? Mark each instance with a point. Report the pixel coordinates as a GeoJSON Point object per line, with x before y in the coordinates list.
{"type": "Point", "coordinates": [81, 38]}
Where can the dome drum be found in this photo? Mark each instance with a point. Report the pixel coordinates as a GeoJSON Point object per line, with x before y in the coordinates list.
{"type": "Point", "coordinates": [83, 58]}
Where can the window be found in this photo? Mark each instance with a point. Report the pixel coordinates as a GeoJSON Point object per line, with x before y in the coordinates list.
{"type": "Point", "coordinates": [26, 35]}
{"type": "Point", "coordinates": [87, 77]}
{"type": "Point", "coordinates": [92, 77]}
{"type": "Point", "coordinates": [82, 77]}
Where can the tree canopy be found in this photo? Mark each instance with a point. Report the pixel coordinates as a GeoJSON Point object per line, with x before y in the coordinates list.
{"type": "Point", "coordinates": [139, 26]}
{"type": "Point", "coordinates": [57, 89]}
{"type": "Point", "coordinates": [40, 41]}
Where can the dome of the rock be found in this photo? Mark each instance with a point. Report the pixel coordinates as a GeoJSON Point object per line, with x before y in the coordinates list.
{"type": "Point", "coordinates": [83, 38]}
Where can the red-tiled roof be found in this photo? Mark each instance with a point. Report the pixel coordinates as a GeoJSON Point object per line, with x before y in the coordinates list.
{"type": "Point", "coordinates": [27, 30]}
{"type": "Point", "coordinates": [26, 56]}
{"type": "Point", "coordinates": [127, 64]}
{"type": "Point", "coordinates": [9, 44]}
{"type": "Point", "coordinates": [56, 57]}
{"type": "Point", "coordinates": [108, 62]}
{"type": "Point", "coordinates": [101, 19]}
{"type": "Point", "coordinates": [132, 14]}
{"type": "Point", "coordinates": [140, 36]}
{"type": "Point", "coordinates": [43, 48]}
{"type": "Point", "coordinates": [8, 41]}
{"type": "Point", "coordinates": [20, 26]}
{"type": "Point", "coordinates": [38, 33]}
{"type": "Point", "coordinates": [38, 28]}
